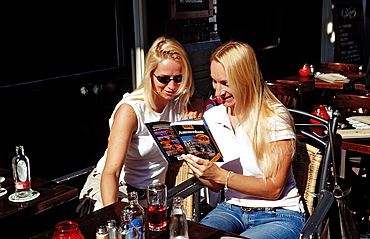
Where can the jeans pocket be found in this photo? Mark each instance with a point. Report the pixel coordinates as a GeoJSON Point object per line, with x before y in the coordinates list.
{"type": "Point", "coordinates": [284, 213]}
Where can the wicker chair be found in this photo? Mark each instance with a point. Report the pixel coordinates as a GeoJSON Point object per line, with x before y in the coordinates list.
{"type": "Point", "coordinates": [311, 167]}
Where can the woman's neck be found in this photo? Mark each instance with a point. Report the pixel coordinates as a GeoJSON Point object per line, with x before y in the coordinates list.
{"type": "Point", "coordinates": [232, 117]}
{"type": "Point", "coordinates": [230, 111]}
{"type": "Point", "coordinates": [160, 104]}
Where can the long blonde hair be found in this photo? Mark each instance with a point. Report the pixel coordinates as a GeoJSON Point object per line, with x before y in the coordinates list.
{"type": "Point", "coordinates": [254, 102]}
{"type": "Point", "coordinates": [161, 49]}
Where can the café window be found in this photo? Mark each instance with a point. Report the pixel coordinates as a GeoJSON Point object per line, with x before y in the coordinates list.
{"type": "Point", "coordinates": [187, 9]}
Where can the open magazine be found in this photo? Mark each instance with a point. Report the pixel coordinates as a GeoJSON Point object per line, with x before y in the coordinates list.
{"type": "Point", "coordinates": [190, 136]}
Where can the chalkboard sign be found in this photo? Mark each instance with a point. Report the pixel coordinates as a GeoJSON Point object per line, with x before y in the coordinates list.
{"type": "Point", "coordinates": [187, 9]}
{"type": "Point", "coordinates": [349, 31]}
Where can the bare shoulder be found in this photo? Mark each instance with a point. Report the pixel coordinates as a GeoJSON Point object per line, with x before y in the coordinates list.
{"type": "Point", "coordinates": [125, 110]}
{"type": "Point", "coordinates": [125, 116]}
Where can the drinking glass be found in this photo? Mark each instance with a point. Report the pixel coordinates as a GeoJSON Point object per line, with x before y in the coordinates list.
{"type": "Point", "coordinates": [67, 230]}
{"type": "Point", "coordinates": [157, 206]}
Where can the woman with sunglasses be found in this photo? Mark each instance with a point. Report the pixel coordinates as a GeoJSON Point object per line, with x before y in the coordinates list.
{"type": "Point", "coordinates": [255, 133]}
{"type": "Point", "coordinates": [132, 160]}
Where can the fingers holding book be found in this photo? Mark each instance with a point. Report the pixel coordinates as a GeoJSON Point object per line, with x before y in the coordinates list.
{"type": "Point", "coordinates": [201, 167]}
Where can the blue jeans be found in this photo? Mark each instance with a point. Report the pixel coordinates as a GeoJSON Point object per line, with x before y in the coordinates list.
{"type": "Point", "coordinates": [278, 224]}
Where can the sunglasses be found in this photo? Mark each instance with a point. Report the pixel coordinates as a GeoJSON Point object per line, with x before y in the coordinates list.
{"type": "Point", "coordinates": [167, 79]}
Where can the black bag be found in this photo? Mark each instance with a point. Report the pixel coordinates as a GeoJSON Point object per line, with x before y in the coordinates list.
{"type": "Point", "coordinates": [341, 222]}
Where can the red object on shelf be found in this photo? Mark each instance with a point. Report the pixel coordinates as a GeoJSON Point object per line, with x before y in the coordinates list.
{"type": "Point", "coordinates": [320, 111]}
{"type": "Point", "coordinates": [305, 70]}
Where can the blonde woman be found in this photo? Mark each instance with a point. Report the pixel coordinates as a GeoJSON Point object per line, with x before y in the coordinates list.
{"type": "Point", "coordinates": [255, 133]}
{"type": "Point", "coordinates": [132, 160]}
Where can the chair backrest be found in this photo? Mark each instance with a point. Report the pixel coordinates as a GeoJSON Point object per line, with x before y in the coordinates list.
{"type": "Point", "coordinates": [312, 167]}
{"type": "Point", "coordinates": [351, 101]}
{"type": "Point", "coordinates": [339, 67]}
{"type": "Point", "coordinates": [286, 93]}
{"type": "Point", "coordinates": [306, 167]}
{"type": "Point", "coordinates": [303, 124]}
{"type": "Point", "coordinates": [362, 89]}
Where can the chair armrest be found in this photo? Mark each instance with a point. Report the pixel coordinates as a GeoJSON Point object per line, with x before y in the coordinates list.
{"type": "Point", "coordinates": [73, 174]}
{"type": "Point", "coordinates": [185, 189]}
{"type": "Point", "coordinates": [326, 199]}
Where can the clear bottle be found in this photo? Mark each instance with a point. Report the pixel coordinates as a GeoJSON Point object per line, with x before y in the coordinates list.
{"type": "Point", "coordinates": [112, 229]}
{"type": "Point", "coordinates": [127, 230]}
{"type": "Point", "coordinates": [21, 173]}
{"type": "Point", "coordinates": [178, 223]}
{"type": "Point", "coordinates": [102, 233]}
{"type": "Point", "coordinates": [137, 213]}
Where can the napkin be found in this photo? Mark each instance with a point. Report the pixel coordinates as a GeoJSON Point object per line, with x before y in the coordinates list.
{"type": "Point", "coordinates": [332, 78]}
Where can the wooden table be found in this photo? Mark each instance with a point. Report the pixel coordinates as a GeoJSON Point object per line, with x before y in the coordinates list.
{"type": "Point", "coordinates": [90, 222]}
{"type": "Point", "coordinates": [51, 195]}
{"type": "Point", "coordinates": [360, 146]}
{"type": "Point", "coordinates": [363, 180]}
{"type": "Point", "coordinates": [354, 145]}
{"type": "Point", "coordinates": [309, 83]}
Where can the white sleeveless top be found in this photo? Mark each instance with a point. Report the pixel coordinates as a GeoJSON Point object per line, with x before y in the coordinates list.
{"type": "Point", "coordinates": [239, 158]}
{"type": "Point", "coordinates": [144, 163]}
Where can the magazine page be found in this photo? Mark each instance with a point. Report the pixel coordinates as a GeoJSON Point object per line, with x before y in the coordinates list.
{"type": "Point", "coordinates": [197, 139]}
{"type": "Point", "coordinates": [167, 140]}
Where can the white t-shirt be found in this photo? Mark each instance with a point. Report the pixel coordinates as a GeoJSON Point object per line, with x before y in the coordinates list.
{"type": "Point", "coordinates": [144, 163]}
{"type": "Point", "coordinates": [239, 158]}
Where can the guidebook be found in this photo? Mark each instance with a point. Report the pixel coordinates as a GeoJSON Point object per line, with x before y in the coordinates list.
{"type": "Point", "coordinates": [190, 136]}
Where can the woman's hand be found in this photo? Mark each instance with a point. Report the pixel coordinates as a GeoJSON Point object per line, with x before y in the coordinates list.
{"type": "Point", "coordinates": [202, 168]}
{"type": "Point", "coordinates": [270, 188]}
{"type": "Point", "coordinates": [207, 172]}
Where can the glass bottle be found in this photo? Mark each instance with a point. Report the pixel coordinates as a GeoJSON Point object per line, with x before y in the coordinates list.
{"type": "Point", "coordinates": [178, 223]}
{"type": "Point", "coordinates": [127, 230]}
{"type": "Point", "coordinates": [21, 173]}
{"type": "Point", "coordinates": [67, 230]}
{"type": "Point", "coordinates": [102, 233]}
{"type": "Point", "coordinates": [137, 212]}
{"type": "Point", "coordinates": [112, 229]}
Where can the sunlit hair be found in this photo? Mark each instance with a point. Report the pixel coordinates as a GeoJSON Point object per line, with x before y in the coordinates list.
{"type": "Point", "coordinates": [254, 102]}
{"type": "Point", "coordinates": [167, 48]}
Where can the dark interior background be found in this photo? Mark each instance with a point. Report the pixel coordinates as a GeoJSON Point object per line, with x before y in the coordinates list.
{"type": "Point", "coordinates": [68, 64]}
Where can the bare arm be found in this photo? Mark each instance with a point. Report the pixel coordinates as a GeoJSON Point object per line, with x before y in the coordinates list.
{"type": "Point", "coordinates": [215, 178]}
{"type": "Point", "coordinates": [124, 125]}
